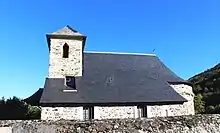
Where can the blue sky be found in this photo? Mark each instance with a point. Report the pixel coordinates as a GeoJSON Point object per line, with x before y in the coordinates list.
{"type": "Point", "coordinates": [185, 34]}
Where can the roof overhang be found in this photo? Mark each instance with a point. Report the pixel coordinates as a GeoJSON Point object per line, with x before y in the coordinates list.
{"type": "Point", "coordinates": [34, 99]}
{"type": "Point", "coordinates": [181, 82]}
{"type": "Point", "coordinates": [75, 37]}
{"type": "Point", "coordinates": [112, 104]}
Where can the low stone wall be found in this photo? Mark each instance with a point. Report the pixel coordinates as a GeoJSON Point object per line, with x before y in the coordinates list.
{"type": "Point", "coordinates": [178, 124]}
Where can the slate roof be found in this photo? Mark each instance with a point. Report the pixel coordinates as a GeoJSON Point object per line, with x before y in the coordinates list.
{"type": "Point", "coordinates": [67, 30]}
{"type": "Point", "coordinates": [112, 78]}
{"type": "Point", "coordinates": [35, 98]}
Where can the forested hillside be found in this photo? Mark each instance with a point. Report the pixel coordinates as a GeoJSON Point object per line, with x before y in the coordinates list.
{"type": "Point", "coordinates": [207, 90]}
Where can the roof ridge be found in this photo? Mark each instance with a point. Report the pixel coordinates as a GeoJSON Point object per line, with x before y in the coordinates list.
{"type": "Point", "coordinates": [72, 29]}
{"type": "Point", "coordinates": [123, 53]}
{"type": "Point", "coordinates": [67, 30]}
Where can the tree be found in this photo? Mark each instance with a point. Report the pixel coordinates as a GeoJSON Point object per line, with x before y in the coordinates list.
{"type": "Point", "coordinates": [206, 90]}
{"type": "Point", "coordinates": [210, 109]}
{"type": "Point", "coordinates": [199, 104]}
{"type": "Point", "coordinates": [20, 109]}
{"type": "Point", "coordinates": [197, 88]}
{"type": "Point", "coordinates": [211, 89]}
{"type": "Point", "coordinates": [217, 109]}
{"type": "Point", "coordinates": [34, 112]}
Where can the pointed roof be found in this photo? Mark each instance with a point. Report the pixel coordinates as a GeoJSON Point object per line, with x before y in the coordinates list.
{"type": "Point", "coordinates": [67, 30]}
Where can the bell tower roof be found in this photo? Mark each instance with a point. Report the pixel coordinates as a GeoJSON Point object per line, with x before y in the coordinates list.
{"type": "Point", "coordinates": [67, 30]}
{"type": "Point", "coordinates": [66, 33]}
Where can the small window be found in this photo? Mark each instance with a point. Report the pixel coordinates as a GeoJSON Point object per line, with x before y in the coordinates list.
{"type": "Point", "coordinates": [88, 113]}
{"type": "Point", "coordinates": [142, 111]}
{"type": "Point", "coordinates": [65, 51]}
{"type": "Point", "coordinates": [70, 82]}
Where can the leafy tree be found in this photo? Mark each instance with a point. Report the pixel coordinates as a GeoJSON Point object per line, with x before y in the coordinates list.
{"type": "Point", "coordinates": [34, 112]}
{"type": "Point", "coordinates": [211, 89]}
{"type": "Point", "coordinates": [206, 90]}
{"type": "Point", "coordinates": [199, 104]}
{"type": "Point", "coordinates": [197, 89]}
{"type": "Point", "coordinates": [210, 109]}
{"type": "Point", "coordinates": [14, 108]}
{"type": "Point", "coordinates": [217, 109]}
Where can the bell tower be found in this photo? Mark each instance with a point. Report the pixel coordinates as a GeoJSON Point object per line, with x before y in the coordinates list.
{"type": "Point", "coordinates": [65, 53]}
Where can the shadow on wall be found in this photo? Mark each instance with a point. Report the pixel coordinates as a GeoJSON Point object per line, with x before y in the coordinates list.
{"type": "Point", "coordinates": [16, 109]}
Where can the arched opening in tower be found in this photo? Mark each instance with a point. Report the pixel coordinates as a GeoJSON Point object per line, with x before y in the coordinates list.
{"type": "Point", "coordinates": [65, 51]}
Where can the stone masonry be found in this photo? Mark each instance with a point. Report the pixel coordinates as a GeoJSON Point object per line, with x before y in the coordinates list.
{"type": "Point", "coordinates": [57, 113]}
{"type": "Point", "coordinates": [186, 108]}
{"type": "Point", "coordinates": [177, 124]}
{"type": "Point", "coordinates": [115, 112]}
{"type": "Point", "coordinates": [60, 67]}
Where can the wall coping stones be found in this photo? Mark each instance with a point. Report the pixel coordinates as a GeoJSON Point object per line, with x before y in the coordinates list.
{"type": "Point", "coordinates": [181, 124]}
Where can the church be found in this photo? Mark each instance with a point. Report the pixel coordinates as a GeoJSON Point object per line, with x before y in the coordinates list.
{"type": "Point", "coordinates": [84, 85]}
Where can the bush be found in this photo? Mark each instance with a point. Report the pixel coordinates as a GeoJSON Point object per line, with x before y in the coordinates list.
{"type": "Point", "coordinates": [14, 108]}
{"type": "Point", "coordinates": [34, 112]}
{"type": "Point", "coordinates": [199, 104]}
{"type": "Point", "coordinates": [210, 109]}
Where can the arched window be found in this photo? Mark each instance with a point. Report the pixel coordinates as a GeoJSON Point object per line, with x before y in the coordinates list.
{"type": "Point", "coordinates": [65, 51]}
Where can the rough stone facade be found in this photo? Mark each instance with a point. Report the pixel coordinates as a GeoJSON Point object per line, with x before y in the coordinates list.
{"type": "Point", "coordinates": [60, 67]}
{"type": "Point", "coordinates": [186, 108]}
{"type": "Point", "coordinates": [115, 112]}
{"type": "Point", "coordinates": [181, 124]}
{"type": "Point", "coordinates": [57, 113]}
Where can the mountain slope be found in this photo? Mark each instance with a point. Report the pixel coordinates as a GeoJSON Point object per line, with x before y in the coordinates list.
{"type": "Point", "coordinates": [207, 90]}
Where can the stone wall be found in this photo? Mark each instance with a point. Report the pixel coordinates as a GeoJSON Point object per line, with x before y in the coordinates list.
{"type": "Point", "coordinates": [175, 110]}
{"type": "Point", "coordinates": [178, 124]}
{"type": "Point", "coordinates": [57, 113]}
{"type": "Point", "coordinates": [115, 112]}
{"type": "Point", "coordinates": [59, 66]}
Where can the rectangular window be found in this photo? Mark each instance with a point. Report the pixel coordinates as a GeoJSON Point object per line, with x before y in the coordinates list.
{"type": "Point", "coordinates": [142, 111]}
{"type": "Point", "coordinates": [88, 113]}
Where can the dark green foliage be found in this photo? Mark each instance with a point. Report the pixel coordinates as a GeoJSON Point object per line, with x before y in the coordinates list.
{"type": "Point", "coordinates": [210, 109]}
{"type": "Point", "coordinates": [207, 84]}
{"type": "Point", "coordinates": [34, 112]}
{"type": "Point", "coordinates": [14, 108]}
{"type": "Point", "coordinates": [199, 104]}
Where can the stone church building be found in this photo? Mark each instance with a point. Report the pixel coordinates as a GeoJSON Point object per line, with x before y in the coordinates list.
{"type": "Point", "coordinates": [106, 85]}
